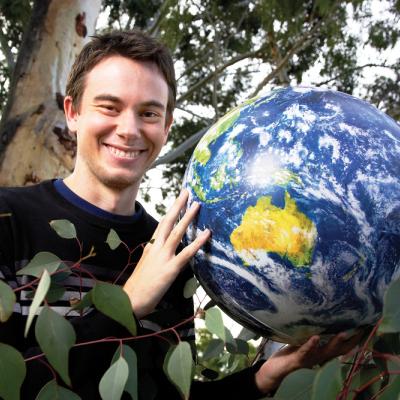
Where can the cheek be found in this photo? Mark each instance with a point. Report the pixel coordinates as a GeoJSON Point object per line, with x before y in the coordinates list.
{"type": "Point", "coordinates": [94, 125]}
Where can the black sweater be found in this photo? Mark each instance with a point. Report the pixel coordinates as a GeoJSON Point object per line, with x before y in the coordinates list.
{"type": "Point", "coordinates": [27, 232]}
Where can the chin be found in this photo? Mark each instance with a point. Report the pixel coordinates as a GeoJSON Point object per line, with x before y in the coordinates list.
{"type": "Point", "coordinates": [118, 182]}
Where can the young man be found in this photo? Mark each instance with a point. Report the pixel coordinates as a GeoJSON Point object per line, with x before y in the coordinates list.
{"type": "Point", "coordinates": [119, 101]}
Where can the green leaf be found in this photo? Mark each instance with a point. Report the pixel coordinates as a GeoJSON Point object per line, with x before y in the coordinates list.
{"type": "Point", "coordinates": [228, 337]}
{"type": "Point", "coordinates": [392, 391]}
{"type": "Point", "coordinates": [55, 336]}
{"type": "Point", "coordinates": [190, 288]}
{"type": "Point", "coordinates": [40, 294]}
{"type": "Point", "coordinates": [328, 381]}
{"type": "Point", "coordinates": [55, 293]}
{"type": "Point", "coordinates": [130, 356]}
{"type": "Point", "coordinates": [51, 391]}
{"type": "Point", "coordinates": [238, 347]}
{"type": "Point", "coordinates": [214, 323]}
{"type": "Point", "coordinates": [64, 228]}
{"type": "Point", "coordinates": [296, 386]}
{"type": "Point", "coordinates": [388, 343]}
{"type": "Point", "coordinates": [391, 310]}
{"type": "Point", "coordinates": [246, 335]}
{"type": "Point", "coordinates": [12, 372]}
{"type": "Point", "coordinates": [178, 366]}
{"type": "Point", "coordinates": [113, 382]}
{"type": "Point", "coordinates": [42, 261]}
{"type": "Point", "coordinates": [7, 301]}
{"type": "Point", "coordinates": [113, 239]}
{"type": "Point", "coordinates": [112, 301]}
{"type": "Point", "coordinates": [214, 348]}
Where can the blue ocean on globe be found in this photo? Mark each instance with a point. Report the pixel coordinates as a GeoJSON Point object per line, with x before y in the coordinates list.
{"type": "Point", "coordinates": [301, 190]}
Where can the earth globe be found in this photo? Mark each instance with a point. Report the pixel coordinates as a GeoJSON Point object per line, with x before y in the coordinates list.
{"type": "Point", "coordinates": [301, 191]}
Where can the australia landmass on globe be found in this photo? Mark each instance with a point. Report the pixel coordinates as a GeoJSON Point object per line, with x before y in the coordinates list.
{"type": "Point", "coordinates": [284, 231]}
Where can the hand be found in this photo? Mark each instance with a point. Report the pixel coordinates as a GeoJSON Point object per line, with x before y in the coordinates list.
{"type": "Point", "coordinates": [159, 266]}
{"type": "Point", "coordinates": [290, 358]}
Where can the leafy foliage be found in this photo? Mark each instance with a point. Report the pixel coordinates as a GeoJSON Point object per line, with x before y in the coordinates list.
{"type": "Point", "coordinates": [373, 370]}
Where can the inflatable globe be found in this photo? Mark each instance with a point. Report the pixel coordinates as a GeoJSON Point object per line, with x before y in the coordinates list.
{"type": "Point", "coordinates": [301, 190]}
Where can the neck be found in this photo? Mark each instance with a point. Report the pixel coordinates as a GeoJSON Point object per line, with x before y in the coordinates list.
{"type": "Point", "coordinates": [116, 201]}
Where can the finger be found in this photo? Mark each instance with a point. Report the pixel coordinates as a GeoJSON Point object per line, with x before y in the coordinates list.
{"type": "Point", "coordinates": [310, 345]}
{"type": "Point", "coordinates": [181, 227]}
{"type": "Point", "coordinates": [189, 251]}
{"type": "Point", "coordinates": [166, 225]}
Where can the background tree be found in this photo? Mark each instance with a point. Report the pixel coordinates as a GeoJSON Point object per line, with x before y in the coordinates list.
{"type": "Point", "coordinates": [225, 51]}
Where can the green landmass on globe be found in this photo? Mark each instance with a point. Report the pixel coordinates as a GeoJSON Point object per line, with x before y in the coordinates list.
{"type": "Point", "coordinates": [284, 231]}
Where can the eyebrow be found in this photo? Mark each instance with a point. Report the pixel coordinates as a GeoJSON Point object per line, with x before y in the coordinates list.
{"type": "Point", "coordinates": [107, 97]}
{"type": "Point", "coordinates": [115, 99]}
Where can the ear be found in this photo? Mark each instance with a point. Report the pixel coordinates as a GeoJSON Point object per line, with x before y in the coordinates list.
{"type": "Point", "coordinates": [168, 124]}
{"type": "Point", "coordinates": [71, 115]}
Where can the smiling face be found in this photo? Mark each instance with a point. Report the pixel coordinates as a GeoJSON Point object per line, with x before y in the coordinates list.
{"type": "Point", "coordinates": [121, 124]}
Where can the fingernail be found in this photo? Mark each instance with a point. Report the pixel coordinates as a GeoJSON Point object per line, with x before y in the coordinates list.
{"type": "Point", "coordinates": [195, 204]}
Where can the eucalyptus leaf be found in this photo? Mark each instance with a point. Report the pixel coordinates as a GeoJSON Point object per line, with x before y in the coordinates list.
{"type": "Point", "coordinates": [55, 336]}
{"type": "Point", "coordinates": [129, 355]}
{"type": "Point", "coordinates": [40, 262]}
{"type": "Point", "coordinates": [391, 310]}
{"type": "Point", "coordinates": [113, 239]}
{"type": "Point", "coordinates": [190, 288]}
{"type": "Point", "coordinates": [113, 382]}
{"type": "Point", "coordinates": [214, 323]}
{"type": "Point", "coordinates": [215, 347]}
{"type": "Point", "coordinates": [238, 347]}
{"type": "Point", "coordinates": [246, 335]}
{"type": "Point", "coordinates": [112, 301]}
{"type": "Point", "coordinates": [55, 293]}
{"type": "Point", "coordinates": [64, 228]}
{"type": "Point", "coordinates": [296, 386]}
{"type": "Point", "coordinates": [228, 337]}
{"type": "Point", "coordinates": [40, 294]}
{"type": "Point", "coordinates": [328, 381]}
{"type": "Point", "coordinates": [392, 391]}
{"type": "Point", "coordinates": [178, 366]}
{"type": "Point", "coordinates": [52, 391]}
{"type": "Point", "coordinates": [7, 301]}
{"type": "Point", "coordinates": [12, 372]}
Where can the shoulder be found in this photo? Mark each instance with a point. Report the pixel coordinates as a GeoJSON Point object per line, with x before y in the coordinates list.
{"type": "Point", "coordinates": [27, 200]}
{"type": "Point", "coordinates": [12, 195]}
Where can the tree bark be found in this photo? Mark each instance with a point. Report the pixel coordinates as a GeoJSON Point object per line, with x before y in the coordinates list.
{"type": "Point", "coordinates": [34, 141]}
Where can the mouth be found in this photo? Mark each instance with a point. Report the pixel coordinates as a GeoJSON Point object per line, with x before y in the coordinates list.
{"type": "Point", "coordinates": [126, 154]}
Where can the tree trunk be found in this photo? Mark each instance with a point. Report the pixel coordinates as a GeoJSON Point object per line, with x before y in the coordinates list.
{"type": "Point", "coordinates": [35, 143]}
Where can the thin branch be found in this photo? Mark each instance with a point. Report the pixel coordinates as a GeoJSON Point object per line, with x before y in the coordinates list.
{"type": "Point", "coordinates": [194, 114]}
{"type": "Point", "coordinates": [178, 151]}
{"type": "Point", "coordinates": [355, 69]}
{"type": "Point", "coordinates": [217, 71]}
{"type": "Point", "coordinates": [161, 13]}
{"type": "Point", "coordinates": [7, 52]}
{"type": "Point", "coordinates": [299, 45]}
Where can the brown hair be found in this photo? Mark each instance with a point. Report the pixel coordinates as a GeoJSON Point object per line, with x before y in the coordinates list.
{"type": "Point", "coordinates": [135, 45]}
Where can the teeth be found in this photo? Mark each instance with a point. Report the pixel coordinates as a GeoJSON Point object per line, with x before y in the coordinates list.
{"type": "Point", "coordinates": [124, 154]}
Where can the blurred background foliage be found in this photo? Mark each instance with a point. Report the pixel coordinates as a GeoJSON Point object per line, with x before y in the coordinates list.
{"type": "Point", "coordinates": [226, 51]}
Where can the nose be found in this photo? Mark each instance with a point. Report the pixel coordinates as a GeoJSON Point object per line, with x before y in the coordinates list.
{"type": "Point", "coordinates": [128, 125]}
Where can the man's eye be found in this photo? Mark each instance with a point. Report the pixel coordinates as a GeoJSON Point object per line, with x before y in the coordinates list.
{"type": "Point", "coordinates": [150, 114]}
{"type": "Point", "coordinates": [107, 107]}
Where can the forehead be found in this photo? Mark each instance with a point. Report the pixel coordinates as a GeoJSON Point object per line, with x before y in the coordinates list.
{"type": "Point", "coordinates": [121, 77]}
